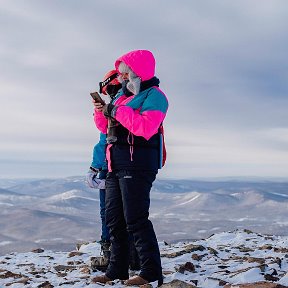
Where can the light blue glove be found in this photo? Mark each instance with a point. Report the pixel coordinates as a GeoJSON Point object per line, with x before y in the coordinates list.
{"type": "Point", "coordinates": [92, 180]}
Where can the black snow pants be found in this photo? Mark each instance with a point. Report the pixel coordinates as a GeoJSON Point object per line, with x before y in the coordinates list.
{"type": "Point", "coordinates": [127, 210]}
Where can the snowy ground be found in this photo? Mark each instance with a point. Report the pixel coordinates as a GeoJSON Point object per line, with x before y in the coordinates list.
{"type": "Point", "coordinates": [229, 257]}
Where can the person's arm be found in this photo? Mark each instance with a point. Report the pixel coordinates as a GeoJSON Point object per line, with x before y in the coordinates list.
{"type": "Point", "coordinates": [146, 122]}
{"type": "Point", "coordinates": [99, 119]}
{"type": "Point", "coordinates": [101, 122]}
{"type": "Point", "coordinates": [97, 164]}
{"type": "Point", "coordinates": [99, 152]}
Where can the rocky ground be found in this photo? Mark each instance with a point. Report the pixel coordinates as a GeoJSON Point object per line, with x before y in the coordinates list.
{"type": "Point", "coordinates": [230, 259]}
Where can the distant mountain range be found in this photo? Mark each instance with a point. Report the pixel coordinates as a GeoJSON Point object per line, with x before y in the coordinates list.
{"type": "Point", "coordinates": [57, 213]}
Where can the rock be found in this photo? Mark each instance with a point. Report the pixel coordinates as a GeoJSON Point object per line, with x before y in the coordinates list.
{"type": "Point", "coordinates": [223, 266]}
{"type": "Point", "coordinates": [36, 272]}
{"type": "Point", "coordinates": [167, 272]}
{"type": "Point", "coordinates": [188, 249]}
{"type": "Point", "coordinates": [188, 266]}
{"type": "Point", "coordinates": [9, 274]}
{"type": "Point", "coordinates": [69, 282]}
{"type": "Point", "coordinates": [24, 281]}
{"type": "Point", "coordinates": [38, 250]}
{"type": "Point", "coordinates": [45, 284]}
{"type": "Point", "coordinates": [61, 274]}
{"type": "Point", "coordinates": [277, 261]}
{"type": "Point", "coordinates": [212, 251]}
{"type": "Point", "coordinates": [245, 249]}
{"type": "Point", "coordinates": [74, 253]}
{"type": "Point", "coordinates": [281, 250]}
{"type": "Point", "coordinates": [262, 267]}
{"type": "Point", "coordinates": [235, 257]}
{"type": "Point", "coordinates": [197, 257]}
{"type": "Point", "coordinates": [85, 270]}
{"type": "Point", "coordinates": [254, 259]}
{"type": "Point", "coordinates": [64, 268]}
{"type": "Point", "coordinates": [222, 282]}
{"type": "Point", "coordinates": [194, 282]}
{"type": "Point", "coordinates": [274, 272]}
{"type": "Point", "coordinates": [270, 277]}
{"type": "Point", "coordinates": [191, 248]}
{"type": "Point", "coordinates": [70, 262]}
{"type": "Point", "coordinates": [177, 284]}
{"type": "Point", "coordinates": [172, 255]}
{"type": "Point", "coordinates": [247, 231]}
{"type": "Point", "coordinates": [266, 247]}
{"type": "Point", "coordinates": [241, 271]}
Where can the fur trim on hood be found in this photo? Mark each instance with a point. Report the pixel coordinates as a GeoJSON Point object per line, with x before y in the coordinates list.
{"type": "Point", "coordinates": [133, 85]}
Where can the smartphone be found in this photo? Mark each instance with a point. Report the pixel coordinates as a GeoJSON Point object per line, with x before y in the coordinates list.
{"type": "Point", "coordinates": [97, 98]}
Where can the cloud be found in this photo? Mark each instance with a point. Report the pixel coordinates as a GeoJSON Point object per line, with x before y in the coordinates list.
{"type": "Point", "coordinates": [222, 65]}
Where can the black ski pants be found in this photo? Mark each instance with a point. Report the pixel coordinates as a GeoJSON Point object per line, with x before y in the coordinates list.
{"type": "Point", "coordinates": [127, 210]}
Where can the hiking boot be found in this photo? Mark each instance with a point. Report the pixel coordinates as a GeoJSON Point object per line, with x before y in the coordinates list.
{"type": "Point", "coordinates": [105, 249]}
{"type": "Point", "coordinates": [135, 281]}
{"type": "Point", "coordinates": [99, 263]}
{"type": "Point", "coordinates": [101, 279]}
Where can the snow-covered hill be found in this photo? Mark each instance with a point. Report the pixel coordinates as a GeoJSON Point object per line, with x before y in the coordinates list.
{"type": "Point", "coordinates": [36, 211]}
{"type": "Point", "coordinates": [227, 259]}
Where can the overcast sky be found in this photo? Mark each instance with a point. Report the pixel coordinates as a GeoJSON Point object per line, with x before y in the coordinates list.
{"type": "Point", "coordinates": [222, 64]}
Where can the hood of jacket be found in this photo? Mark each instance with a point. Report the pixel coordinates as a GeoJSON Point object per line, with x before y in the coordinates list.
{"type": "Point", "coordinates": [142, 62]}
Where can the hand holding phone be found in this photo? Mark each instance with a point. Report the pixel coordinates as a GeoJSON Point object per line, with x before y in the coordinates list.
{"type": "Point", "coordinates": [97, 98]}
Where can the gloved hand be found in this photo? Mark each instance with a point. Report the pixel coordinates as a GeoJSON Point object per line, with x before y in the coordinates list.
{"type": "Point", "coordinates": [93, 181]}
{"type": "Point", "coordinates": [108, 109]}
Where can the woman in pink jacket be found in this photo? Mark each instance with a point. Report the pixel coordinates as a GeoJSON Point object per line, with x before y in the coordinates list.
{"type": "Point", "coordinates": [134, 157]}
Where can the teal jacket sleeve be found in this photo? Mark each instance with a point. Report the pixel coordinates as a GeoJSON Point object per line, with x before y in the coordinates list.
{"type": "Point", "coordinates": [99, 161]}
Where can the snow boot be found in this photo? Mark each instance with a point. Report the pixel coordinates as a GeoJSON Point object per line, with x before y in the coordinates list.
{"type": "Point", "coordinates": [101, 263]}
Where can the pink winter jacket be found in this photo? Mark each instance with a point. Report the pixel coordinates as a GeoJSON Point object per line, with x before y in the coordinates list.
{"type": "Point", "coordinates": [141, 114]}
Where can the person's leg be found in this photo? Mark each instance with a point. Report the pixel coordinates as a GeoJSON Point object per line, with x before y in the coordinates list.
{"type": "Point", "coordinates": [135, 187]}
{"type": "Point", "coordinates": [101, 262]}
{"type": "Point", "coordinates": [119, 260]}
{"type": "Point", "coordinates": [105, 231]}
{"type": "Point", "coordinates": [134, 261]}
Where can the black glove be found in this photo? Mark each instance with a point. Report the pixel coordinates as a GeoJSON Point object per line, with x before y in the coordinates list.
{"type": "Point", "coordinates": [107, 110]}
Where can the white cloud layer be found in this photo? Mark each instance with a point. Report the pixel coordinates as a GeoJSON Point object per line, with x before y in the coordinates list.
{"type": "Point", "coordinates": [222, 64]}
